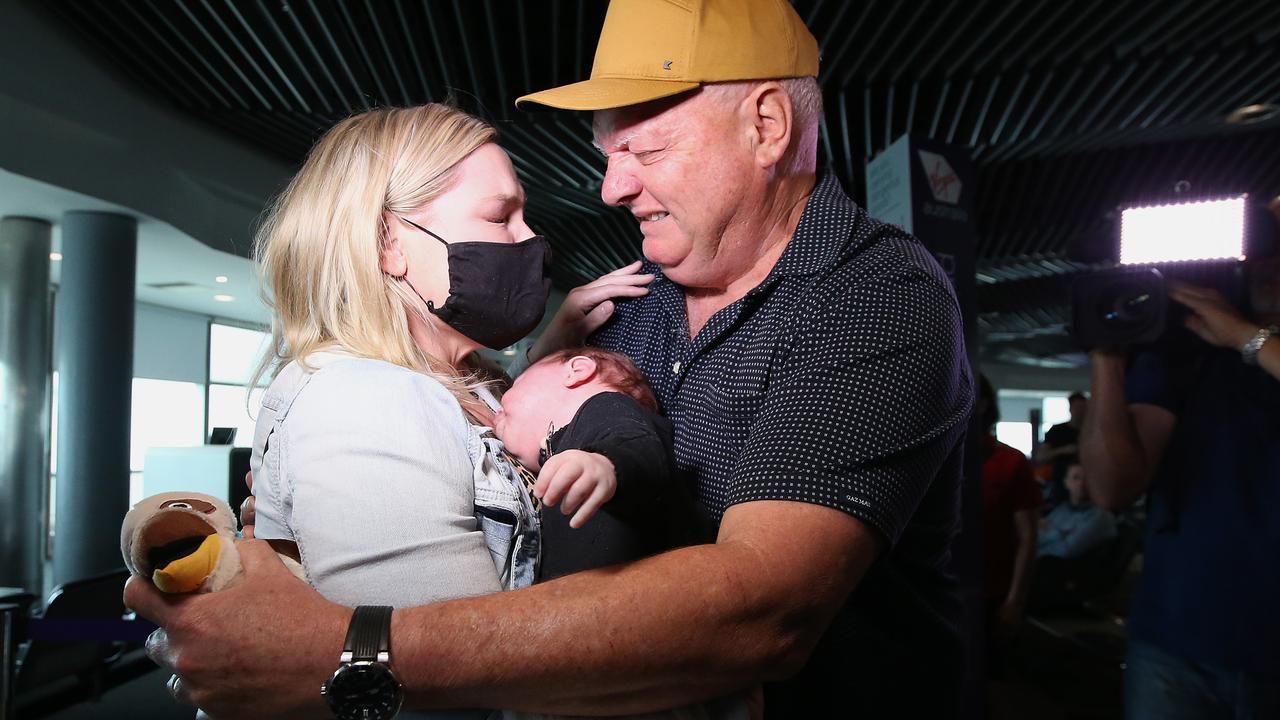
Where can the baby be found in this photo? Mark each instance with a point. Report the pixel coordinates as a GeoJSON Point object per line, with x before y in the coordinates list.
{"type": "Point", "coordinates": [587, 422]}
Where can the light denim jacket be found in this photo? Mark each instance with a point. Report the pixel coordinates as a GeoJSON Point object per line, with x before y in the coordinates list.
{"type": "Point", "coordinates": [392, 496]}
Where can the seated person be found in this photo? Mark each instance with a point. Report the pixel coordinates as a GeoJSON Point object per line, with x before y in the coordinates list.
{"type": "Point", "coordinates": [1076, 526]}
{"type": "Point", "coordinates": [586, 420]}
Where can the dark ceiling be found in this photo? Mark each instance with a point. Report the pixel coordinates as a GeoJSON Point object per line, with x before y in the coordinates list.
{"type": "Point", "coordinates": [1069, 107]}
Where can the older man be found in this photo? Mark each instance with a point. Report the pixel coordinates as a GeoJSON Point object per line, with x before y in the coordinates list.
{"type": "Point", "coordinates": [811, 360]}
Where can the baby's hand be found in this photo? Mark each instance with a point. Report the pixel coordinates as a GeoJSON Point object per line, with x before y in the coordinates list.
{"type": "Point", "coordinates": [585, 480]}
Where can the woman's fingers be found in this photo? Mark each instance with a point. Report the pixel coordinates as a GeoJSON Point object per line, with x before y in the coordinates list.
{"type": "Point", "coordinates": [248, 512]}
{"type": "Point", "coordinates": [625, 269]}
{"type": "Point", "coordinates": [591, 297]}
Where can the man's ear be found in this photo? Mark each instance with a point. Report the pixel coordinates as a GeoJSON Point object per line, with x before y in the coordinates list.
{"type": "Point", "coordinates": [579, 370]}
{"type": "Point", "coordinates": [769, 111]}
{"type": "Point", "coordinates": [392, 260]}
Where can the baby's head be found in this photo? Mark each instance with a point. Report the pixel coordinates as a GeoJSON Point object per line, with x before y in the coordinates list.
{"type": "Point", "coordinates": [547, 396]}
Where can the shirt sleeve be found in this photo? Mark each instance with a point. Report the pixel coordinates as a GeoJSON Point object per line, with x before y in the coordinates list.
{"type": "Point", "coordinates": [869, 404]}
{"type": "Point", "coordinates": [1095, 529]}
{"type": "Point", "coordinates": [634, 441]}
{"type": "Point", "coordinates": [1025, 492]}
{"type": "Point", "coordinates": [1160, 377]}
{"type": "Point", "coordinates": [382, 489]}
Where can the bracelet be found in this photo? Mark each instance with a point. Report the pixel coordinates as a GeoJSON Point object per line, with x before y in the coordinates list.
{"type": "Point", "coordinates": [1249, 353]}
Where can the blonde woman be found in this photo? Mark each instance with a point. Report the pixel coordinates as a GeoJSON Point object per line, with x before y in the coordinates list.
{"type": "Point", "coordinates": [398, 250]}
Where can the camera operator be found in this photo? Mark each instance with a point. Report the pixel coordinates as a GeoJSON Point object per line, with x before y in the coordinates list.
{"type": "Point", "coordinates": [1199, 431]}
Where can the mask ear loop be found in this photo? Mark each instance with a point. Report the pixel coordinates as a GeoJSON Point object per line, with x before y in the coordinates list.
{"type": "Point", "coordinates": [430, 305]}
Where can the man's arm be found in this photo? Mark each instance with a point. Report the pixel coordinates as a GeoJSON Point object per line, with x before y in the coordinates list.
{"type": "Point", "coordinates": [684, 626]}
{"type": "Point", "coordinates": [1120, 444]}
{"type": "Point", "coordinates": [1217, 323]}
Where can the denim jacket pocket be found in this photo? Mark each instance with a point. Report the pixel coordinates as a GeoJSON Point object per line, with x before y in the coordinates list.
{"type": "Point", "coordinates": [505, 515]}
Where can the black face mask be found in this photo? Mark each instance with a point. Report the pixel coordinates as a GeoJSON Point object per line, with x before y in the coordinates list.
{"type": "Point", "coordinates": [497, 291]}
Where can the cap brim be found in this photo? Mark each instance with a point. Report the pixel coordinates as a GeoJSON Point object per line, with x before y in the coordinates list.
{"type": "Point", "coordinates": [605, 93]}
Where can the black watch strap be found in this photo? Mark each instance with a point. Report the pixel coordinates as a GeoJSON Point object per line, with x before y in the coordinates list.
{"type": "Point", "coordinates": [369, 635]}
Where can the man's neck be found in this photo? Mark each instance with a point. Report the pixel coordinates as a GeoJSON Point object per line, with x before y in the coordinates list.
{"type": "Point", "coordinates": [779, 218]}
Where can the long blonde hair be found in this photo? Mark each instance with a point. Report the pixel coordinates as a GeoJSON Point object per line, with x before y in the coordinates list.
{"type": "Point", "coordinates": [320, 245]}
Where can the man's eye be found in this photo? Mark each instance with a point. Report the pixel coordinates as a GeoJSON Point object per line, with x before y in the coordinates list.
{"type": "Point", "coordinates": [498, 221]}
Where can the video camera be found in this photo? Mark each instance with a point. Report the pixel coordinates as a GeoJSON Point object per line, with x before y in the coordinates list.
{"type": "Point", "coordinates": [1204, 242]}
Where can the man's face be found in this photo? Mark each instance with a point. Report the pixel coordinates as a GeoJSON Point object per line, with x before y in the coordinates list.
{"type": "Point", "coordinates": [681, 168]}
{"type": "Point", "coordinates": [527, 411]}
{"type": "Point", "coordinates": [1074, 481]}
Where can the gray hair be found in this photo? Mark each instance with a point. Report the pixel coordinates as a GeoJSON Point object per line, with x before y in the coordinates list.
{"type": "Point", "coordinates": [806, 96]}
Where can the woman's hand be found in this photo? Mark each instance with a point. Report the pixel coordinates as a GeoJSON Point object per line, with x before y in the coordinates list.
{"type": "Point", "coordinates": [247, 509]}
{"type": "Point", "coordinates": [586, 308]}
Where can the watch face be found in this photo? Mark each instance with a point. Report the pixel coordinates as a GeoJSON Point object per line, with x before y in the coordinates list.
{"type": "Point", "coordinates": [364, 691]}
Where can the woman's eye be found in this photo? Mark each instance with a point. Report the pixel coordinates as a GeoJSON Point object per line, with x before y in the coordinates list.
{"type": "Point", "coordinates": [498, 221]}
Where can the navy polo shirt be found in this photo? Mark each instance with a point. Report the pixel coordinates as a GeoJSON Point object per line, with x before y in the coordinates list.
{"type": "Point", "coordinates": [1210, 585]}
{"type": "Point", "coordinates": [841, 380]}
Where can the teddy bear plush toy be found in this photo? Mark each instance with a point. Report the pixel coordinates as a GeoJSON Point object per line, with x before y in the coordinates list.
{"type": "Point", "coordinates": [185, 543]}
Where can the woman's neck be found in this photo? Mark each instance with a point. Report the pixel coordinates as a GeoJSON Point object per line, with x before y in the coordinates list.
{"type": "Point", "coordinates": [442, 343]}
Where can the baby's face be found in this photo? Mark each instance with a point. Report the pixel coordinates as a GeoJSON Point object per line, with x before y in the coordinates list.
{"type": "Point", "coordinates": [528, 409]}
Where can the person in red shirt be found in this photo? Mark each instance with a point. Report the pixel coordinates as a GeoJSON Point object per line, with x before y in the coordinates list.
{"type": "Point", "coordinates": [1010, 508]}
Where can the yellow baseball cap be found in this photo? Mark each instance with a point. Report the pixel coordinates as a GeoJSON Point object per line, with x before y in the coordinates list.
{"type": "Point", "coordinates": [651, 49]}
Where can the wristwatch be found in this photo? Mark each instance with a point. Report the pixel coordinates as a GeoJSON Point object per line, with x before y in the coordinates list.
{"type": "Point", "coordinates": [1249, 352]}
{"type": "Point", "coordinates": [363, 687]}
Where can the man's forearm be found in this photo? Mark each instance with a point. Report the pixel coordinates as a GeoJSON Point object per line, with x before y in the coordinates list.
{"type": "Point", "coordinates": [1110, 447]}
{"type": "Point", "coordinates": [648, 647]}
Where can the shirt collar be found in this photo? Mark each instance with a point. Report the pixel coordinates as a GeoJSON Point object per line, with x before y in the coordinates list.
{"type": "Point", "coordinates": [819, 241]}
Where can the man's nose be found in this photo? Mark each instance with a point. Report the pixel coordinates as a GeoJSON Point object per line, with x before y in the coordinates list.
{"type": "Point", "coordinates": [619, 186]}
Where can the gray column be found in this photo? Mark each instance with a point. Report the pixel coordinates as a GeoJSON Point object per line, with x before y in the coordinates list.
{"type": "Point", "coordinates": [93, 316]}
{"type": "Point", "coordinates": [24, 400]}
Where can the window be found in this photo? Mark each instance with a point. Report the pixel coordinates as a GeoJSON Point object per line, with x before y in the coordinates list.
{"type": "Point", "coordinates": [231, 406]}
{"type": "Point", "coordinates": [165, 413]}
{"type": "Point", "coordinates": [234, 354]}
{"type": "Point", "coordinates": [1015, 434]}
{"type": "Point", "coordinates": [1056, 410]}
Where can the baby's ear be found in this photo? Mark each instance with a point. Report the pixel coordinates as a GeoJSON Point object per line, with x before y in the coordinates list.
{"type": "Point", "coordinates": [579, 369]}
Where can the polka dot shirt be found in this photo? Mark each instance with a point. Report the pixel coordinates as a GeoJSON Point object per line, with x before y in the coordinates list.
{"type": "Point", "coordinates": [841, 381]}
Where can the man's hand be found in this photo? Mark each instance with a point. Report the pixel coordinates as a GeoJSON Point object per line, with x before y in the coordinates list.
{"type": "Point", "coordinates": [1211, 317]}
{"type": "Point", "coordinates": [585, 480]}
{"type": "Point", "coordinates": [259, 649]}
{"type": "Point", "coordinates": [586, 308]}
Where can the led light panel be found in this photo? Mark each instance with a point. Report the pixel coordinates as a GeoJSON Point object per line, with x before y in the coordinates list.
{"type": "Point", "coordinates": [1202, 230]}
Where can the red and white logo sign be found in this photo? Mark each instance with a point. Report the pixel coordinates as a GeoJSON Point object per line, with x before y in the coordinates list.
{"type": "Point", "coordinates": [943, 182]}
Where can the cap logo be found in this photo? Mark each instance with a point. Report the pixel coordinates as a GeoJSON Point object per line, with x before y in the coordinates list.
{"type": "Point", "coordinates": [666, 64]}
